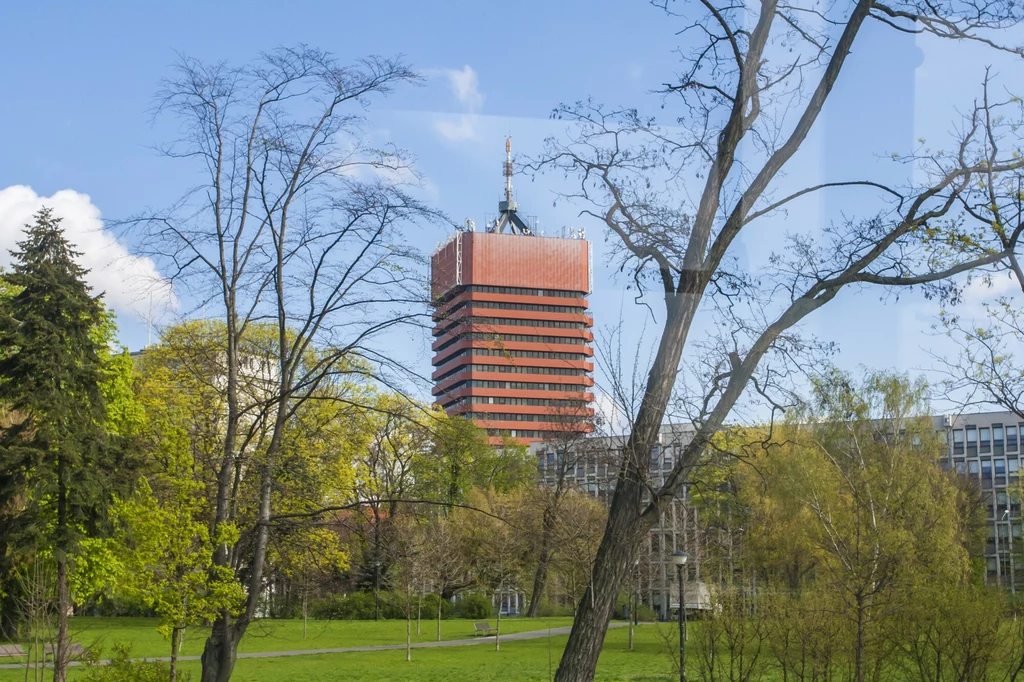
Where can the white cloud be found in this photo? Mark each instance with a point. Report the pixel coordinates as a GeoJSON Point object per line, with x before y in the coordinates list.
{"type": "Point", "coordinates": [456, 127]}
{"type": "Point", "coordinates": [982, 290]}
{"type": "Point", "coordinates": [465, 86]}
{"type": "Point", "coordinates": [610, 414]}
{"type": "Point", "coordinates": [131, 285]}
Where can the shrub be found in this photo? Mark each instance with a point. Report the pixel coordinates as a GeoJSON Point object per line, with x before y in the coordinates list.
{"type": "Point", "coordinates": [473, 606]}
{"type": "Point", "coordinates": [358, 606]}
{"type": "Point", "coordinates": [430, 607]}
{"type": "Point", "coordinates": [122, 668]}
{"type": "Point", "coordinates": [644, 612]}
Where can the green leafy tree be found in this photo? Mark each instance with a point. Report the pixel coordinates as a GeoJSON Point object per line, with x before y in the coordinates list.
{"type": "Point", "coordinates": [460, 459]}
{"type": "Point", "coordinates": [849, 514]}
{"type": "Point", "coordinates": [167, 555]}
{"type": "Point", "coordinates": [52, 376]}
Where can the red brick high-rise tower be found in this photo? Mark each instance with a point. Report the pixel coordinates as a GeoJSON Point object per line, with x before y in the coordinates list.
{"type": "Point", "coordinates": [512, 329]}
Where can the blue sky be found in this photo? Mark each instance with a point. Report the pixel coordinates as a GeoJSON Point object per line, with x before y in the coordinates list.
{"type": "Point", "coordinates": [79, 80]}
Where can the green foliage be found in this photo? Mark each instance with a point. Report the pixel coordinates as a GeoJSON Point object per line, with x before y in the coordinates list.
{"type": "Point", "coordinates": [857, 540]}
{"type": "Point", "coordinates": [167, 554]}
{"type": "Point", "coordinates": [125, 413]}
{"type": "Point", "coordinates": [122, 668]}
{"type": "Point", "coordinates": [7, 289]}
{"type": "Point", "coordinates": [460, 459]}
{"type": "Point", "coordinates": [473, 606]}
{"type": "Point", "coordinates": [51, 377]}
{"type": "Point", "coordinates": [429, 606]}
{"type": "Point", "coordinates": [360, 606]}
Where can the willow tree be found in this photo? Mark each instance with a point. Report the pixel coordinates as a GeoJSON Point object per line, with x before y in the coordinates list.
{"type": "Point", "coordinates": [678, 200]}
{"type": "Point", "coordinates": [293, 221]}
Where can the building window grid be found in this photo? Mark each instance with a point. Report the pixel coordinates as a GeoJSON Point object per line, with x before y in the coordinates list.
{"type": "Point", "coordinates": [527, 307]}
{"type": "Point", "coordinates": [514, 369]}
{"type": "Point", "coordinates": [518, 386]}
{"type": "Point", "coordinates": [995, 471]}
{"type": "Point", "coordinates": [525, 354]}
{"type": "Point", "coordinates": [513, 338]}
{"type": "Point", "coordinates": [509, 291]}
{"type": "Point", "coordinates": [529, 402]}
{"type": "Point", "coordinates": [519, 417]}
{"type": "Point", "coordinates": [509, 322]}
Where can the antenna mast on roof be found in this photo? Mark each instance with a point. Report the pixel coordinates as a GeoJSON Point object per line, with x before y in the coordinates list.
{"type": "Point", "coordinates": [508, 169]}
{"type": "Point", "coordinates": [507, 209]}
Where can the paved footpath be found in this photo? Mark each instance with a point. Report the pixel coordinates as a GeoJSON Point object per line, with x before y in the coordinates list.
{"type": "Point", "coordinates": [513, 637]}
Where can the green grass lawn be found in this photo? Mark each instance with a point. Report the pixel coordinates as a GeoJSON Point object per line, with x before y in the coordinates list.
{"type": "Point", "coordinates": [517, 661]}
{"type": "Point", "coordinates": [285, 635]}
{"type": "Point", "coordinates": [526, 660]}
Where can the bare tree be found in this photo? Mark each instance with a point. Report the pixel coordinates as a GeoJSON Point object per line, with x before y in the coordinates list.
{"type": "Point", "coordinates": [753, 82]}
{"type": "Point", "coordinates": [292, 225]}
{"type": "Point", "coordinates": [572, 447]}
{"type": "Point", "coordinates": [446, 563]}
{"type": "Point", "coordinates": [986, 371]}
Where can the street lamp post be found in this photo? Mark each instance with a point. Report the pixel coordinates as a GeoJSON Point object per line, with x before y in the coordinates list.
{"type": "Point", "coordinates": [1008, 514]}
{"type": "Point", "coordinates": [679, 559]}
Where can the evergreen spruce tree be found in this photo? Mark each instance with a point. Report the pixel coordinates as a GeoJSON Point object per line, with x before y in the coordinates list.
{"type": "Point", "coordinates": [50, 376]}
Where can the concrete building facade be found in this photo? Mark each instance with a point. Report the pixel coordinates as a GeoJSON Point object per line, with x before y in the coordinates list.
{"type": "Point", "coordinates": [987, 448]}
{"type": "Point", "coordinates": [591, 465]}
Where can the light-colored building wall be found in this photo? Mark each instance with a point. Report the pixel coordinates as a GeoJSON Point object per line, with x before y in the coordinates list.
{"type": "Point", "coordinates": [986, 447]}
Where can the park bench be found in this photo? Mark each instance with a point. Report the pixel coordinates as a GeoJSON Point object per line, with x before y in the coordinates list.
{"type": "Point", "coordinates": [482, 628]}
{"type": "Point", "coordinates": [75, 650]}
{"type": "Point", "coordinates": [11, 651]}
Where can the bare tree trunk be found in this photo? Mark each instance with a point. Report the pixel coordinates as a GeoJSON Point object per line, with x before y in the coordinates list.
{"type": "Point", "coordinates": [540, 577]}
{"type": "Point", "coordinates": [175, 638]}
{"type": "Point", "coordinates": [625, 522]}
{"type": "Point", "coordinates": [60, 657]}
{"type": "Point", "coordinates": [408, 625]}
{"type": "Point", "coordinates": [439, 616]}
{"type": "Point", "coordinates": [497, 629]}
{"type": "Point", "coordinates": [632, 613]}
{"type": "Point", "coordinates": [860, 639]}
{"type": "Point", "coordinates": [614, 557]}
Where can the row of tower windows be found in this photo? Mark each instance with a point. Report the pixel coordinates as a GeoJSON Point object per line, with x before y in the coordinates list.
{"type": "Point", "coordinates": [519, 386]}
{"type": "Point", "coordinates": [516, 417]}
{"type": "Point", "coordinates": [514, 291]}
{"type": "Point", "coordinates": [503, 353]}
{"type": "Point", "coordinates": [519, 433]}
{"type": "Point", "coordinates": [516, 369]}
{"type": "Point", "coordinates": [533, 402]}
{"type": "Point", "coordinates": [521, 338]}
{"type": "Point", "coordinates": [532, 307]}
{"type": "Point", "coordinates": [512, 322]}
